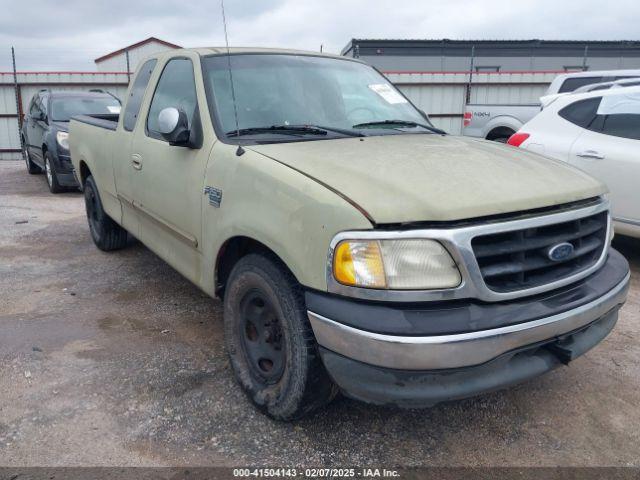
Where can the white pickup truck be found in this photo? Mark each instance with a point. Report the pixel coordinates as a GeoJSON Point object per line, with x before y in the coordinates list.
{"type": "Point", "coordinates": [499, 121]}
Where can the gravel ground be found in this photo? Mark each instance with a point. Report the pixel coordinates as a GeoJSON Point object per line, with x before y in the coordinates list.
{"type": "Point", "coordinates": [115, 359]}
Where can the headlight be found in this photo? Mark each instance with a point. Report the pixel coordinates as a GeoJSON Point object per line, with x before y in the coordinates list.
{"type": "Point", "coordinates": [395, 264]}
{"type": "Point", "coordinates": [63, 139]}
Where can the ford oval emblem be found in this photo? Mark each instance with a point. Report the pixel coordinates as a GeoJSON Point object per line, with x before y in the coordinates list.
{"type": "Point", "coordinates": [560, 252]}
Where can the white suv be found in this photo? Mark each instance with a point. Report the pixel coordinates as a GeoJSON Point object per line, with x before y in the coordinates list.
{"type": "Point", "coordinates": [599, 132]}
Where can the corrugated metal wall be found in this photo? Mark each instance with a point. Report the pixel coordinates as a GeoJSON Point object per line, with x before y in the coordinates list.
{"type": "Point", "coordinates": [443, 94]}
{"type": "Point", "coordinates": [29, 83]}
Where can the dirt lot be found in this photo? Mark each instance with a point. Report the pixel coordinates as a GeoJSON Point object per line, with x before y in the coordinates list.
{"type": "Point", "coordinates": [115, 359]}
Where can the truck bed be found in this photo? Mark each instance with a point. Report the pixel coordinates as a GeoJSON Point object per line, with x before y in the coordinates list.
{"type": "Point", "coordinates": [493, 121]}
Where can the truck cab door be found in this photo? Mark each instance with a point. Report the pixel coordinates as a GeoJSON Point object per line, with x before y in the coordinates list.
{"type": "Point", "coordinates": [124, 166]}
{"type": "Point", "coordinates": [169, 179]}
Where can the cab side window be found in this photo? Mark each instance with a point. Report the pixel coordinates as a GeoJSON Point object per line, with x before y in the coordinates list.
{"type": "Point", "coordinates": [571, 84]}
{"type": "Point", "coordinates": [137, 93]}
{"type": "Point", "coordinates": [176, 88]}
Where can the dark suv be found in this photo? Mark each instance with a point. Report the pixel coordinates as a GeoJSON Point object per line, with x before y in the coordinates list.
{"type": "Point", "coordinates": [45, 131]}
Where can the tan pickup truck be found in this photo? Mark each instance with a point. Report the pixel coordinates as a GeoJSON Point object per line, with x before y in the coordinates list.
{"type": "Point", "coordinates": [356, 247]}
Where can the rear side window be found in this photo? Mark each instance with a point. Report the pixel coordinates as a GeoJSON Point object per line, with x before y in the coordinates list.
{"type": "Point", "coordinates": [176, 88]}
{"type": "Point", "coordinates": [581, 113]}
{"type": "Point", "coordinates": [132, 109]}
{"type": "Point", "coordinates": [570, 84]}
{"type": "Point", "coordinates": [622, 125]}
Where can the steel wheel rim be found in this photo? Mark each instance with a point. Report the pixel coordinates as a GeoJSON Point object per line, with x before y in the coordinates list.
{"type": "Point", "coordinates": [262, 339]}
{"type": "Point", "coordinates": [47, 169]}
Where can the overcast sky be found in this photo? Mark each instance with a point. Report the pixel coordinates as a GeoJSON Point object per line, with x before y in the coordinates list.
{"type": "Point", "coordinates": [68, 35]}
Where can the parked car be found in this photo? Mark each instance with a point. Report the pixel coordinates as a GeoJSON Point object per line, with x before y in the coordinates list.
{"type": "Point", "coordinates": [598, 132]}
{"type": "Point", "coordinates": [629, 82]}
{"type": "Point", "coordinates": [498, 122]}
{"type": "Point", "coordinates": [45, 131]}
{"type": "Point", "coordinates": [355, 247]}
{"type": "Point", "coordinates": [569, 82]}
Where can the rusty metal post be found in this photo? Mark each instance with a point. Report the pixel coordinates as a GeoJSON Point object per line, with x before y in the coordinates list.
{"type": "Point", "coordinates": [584, 58]}
{"type": "Point", "coordinates": [473, 55]}
{"type": "Point", "coordinates": [126, 52]}
{"type": "Point", "coordinates": [16, 90]}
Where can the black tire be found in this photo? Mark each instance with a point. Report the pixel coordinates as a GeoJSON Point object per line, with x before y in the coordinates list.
{"type": "Point", "coordinates": [106, 234]}
{"type": "Point", "coordinates": [297, 382]}
{"type": "Point", "coordinates": [32, 168]}
{"type": "Point", "coordinates": [50, 175]}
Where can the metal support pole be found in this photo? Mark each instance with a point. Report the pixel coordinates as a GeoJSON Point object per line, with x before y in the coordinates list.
{"type": "Point", "coordinates": [126, 52]}
{"type": "Point", "coordinates": [473, 55]}
{"type": "Point", "coordinates": [17, 95]}
{"type": "Point", "coordinates": [584, 58]}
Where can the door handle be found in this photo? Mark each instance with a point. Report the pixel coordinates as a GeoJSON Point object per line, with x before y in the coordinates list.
{"type": "Point", "coordinates": [590, 154]}
{"type": "Point", "coordinates": [136, 161]}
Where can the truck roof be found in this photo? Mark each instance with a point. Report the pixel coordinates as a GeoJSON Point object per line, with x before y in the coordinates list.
{"type": "Point", "coordinates": [235, 50]}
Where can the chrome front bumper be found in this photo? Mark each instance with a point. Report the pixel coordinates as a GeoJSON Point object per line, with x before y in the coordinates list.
{"type": "Point", "coordinates": [458, 350]}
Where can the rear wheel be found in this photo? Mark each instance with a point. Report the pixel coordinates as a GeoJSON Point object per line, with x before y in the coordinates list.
{"type": "Point", "coordinates": [32, 168]}
{"type": "Point", "coordinates": [106, 234]}
{"type": "Point", "coordinates": [500, 134]}
{"type": "Point", "coordinates": [50, 174]}
{"type": "Point", "coordinates": [269, 340]}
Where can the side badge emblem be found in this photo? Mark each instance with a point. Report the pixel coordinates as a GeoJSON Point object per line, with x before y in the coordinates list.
{"type": "Point", "coordinates": [215, 196]}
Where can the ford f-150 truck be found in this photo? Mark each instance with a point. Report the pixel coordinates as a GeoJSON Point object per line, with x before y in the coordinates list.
{"type": "Point", "coordinates": [356, 247]}
{"type": "Point", "coordinates": [499, 121]}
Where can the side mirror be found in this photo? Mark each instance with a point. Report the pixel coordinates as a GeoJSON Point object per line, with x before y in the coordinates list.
{"type": "Point", "coordinates": [174, 126]}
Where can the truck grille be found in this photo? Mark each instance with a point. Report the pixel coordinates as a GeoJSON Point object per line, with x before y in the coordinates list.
{"type": "Point", "coordinates": [519, 259]}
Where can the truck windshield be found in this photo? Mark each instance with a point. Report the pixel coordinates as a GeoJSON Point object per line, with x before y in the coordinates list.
{"type": "Point", "coordinates": [63, 108]}
{"type": "Point", "coordinates": [271, 90]}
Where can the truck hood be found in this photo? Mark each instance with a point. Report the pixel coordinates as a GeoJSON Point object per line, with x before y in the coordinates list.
{"type": "Point", "coordinates": [423, 177]}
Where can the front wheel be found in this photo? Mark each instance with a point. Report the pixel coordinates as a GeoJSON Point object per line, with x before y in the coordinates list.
{"type": "Point", "coordinates": [106, 234]}
{"type": "Point", "coordinates": [270, 342]}
{"type": "Point", "coordinates": [50, 174]}
{"type": "Point", "coordinates": [32, 168]}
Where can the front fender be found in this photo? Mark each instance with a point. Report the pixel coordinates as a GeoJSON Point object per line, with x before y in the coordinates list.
{"type": "Point", "coordinates": [264, 200]}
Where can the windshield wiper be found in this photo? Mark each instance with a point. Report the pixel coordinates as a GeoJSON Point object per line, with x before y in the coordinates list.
{"type": "Point", "coordinates": [343, 131]}
{"type": "Point", "coordinates": [399, 123]}
{"type": "Point", "coordinates": [295, 130]}
{"type": "Point", "coordinates": [281, 129]}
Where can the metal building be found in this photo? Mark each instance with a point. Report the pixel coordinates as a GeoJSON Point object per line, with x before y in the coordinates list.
{"type": "Point", "coordinates": [127, 58]}
{"type": "Point", "coordinates": [442, 76]}
{"type": "Point", "coordinates": [495, 55]}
